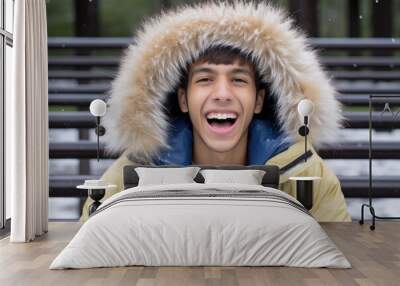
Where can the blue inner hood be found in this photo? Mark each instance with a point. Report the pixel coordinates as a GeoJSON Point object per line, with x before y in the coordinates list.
{"type": "Point", "coordinates": [264, 142]}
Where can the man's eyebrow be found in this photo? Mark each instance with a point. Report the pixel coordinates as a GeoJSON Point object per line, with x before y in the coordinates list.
{"type": "Point", "coordinates": [208, 70]}
{"type": "Point", "coordinates": [241, 70]}
{"type": "Point", "coordinates": [200, 70]}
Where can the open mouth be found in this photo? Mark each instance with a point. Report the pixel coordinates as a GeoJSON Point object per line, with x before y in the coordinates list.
{"type": "Point", "coordinates": [221, 123]}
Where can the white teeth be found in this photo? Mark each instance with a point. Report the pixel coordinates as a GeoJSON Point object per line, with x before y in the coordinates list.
{"type": "Point", "coordinates": [221, 115]}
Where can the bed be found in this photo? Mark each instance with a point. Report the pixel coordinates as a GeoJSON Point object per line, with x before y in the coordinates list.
{"type": "Point", "coordinates": [201, 224]}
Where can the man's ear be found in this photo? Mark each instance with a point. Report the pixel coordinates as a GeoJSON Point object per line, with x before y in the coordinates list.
{"type": "Point", "coordinates": [259, 101]}
{"type": "Point", "coordinates": [182, 100]}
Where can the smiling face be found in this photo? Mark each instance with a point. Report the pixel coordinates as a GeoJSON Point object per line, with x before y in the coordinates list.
{"type": "Point", "coordinates": [221, 100]}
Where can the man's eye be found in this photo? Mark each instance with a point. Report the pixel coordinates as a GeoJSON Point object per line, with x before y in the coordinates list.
{"type": "Point", "coordinates": [203, 80]}
{"type": "Point", "coordinates": [239, 80]}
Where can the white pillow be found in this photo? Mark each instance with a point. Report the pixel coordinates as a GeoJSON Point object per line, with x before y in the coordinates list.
{"type": "Point", "coordinates": [162, 176]}
{"type": "Point", "coordinates": [249, 177]}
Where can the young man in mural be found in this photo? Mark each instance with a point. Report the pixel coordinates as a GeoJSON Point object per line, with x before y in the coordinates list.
{"type": "Point", "coordinates": [219, 84]}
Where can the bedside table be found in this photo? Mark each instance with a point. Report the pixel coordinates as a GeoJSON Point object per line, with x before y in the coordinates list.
{"type": "Point", "coordinates": [96, 191]}
{"type": "Point", "coordinates": [304, 190]}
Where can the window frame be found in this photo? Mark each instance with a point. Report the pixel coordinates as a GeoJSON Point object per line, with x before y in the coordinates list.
{"type": "Point", "coordinates": [6, 39]}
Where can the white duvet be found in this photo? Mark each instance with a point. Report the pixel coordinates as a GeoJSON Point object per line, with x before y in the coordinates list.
{"type": "Point", "coordinates": [269, 228]}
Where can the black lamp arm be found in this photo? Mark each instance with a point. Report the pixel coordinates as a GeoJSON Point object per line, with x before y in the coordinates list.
{"type": "Point", "coordinates": [100, 131]}
{"type": "Point", "coordinates": [303, 131]}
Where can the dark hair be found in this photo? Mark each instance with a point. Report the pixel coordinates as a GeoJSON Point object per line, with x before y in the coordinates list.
{"type": "Point", "coordinates": [224, 55]}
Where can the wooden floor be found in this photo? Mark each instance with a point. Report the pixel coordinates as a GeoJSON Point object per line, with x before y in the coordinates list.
{"type": "Point", "coordinates": [374, 255]}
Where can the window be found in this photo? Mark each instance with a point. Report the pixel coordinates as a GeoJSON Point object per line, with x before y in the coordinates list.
{"type": "Point", "coordinates": [6, 43]}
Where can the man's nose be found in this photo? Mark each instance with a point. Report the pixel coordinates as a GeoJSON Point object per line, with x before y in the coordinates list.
{"type": "Point", "coordinates": [222, 90]}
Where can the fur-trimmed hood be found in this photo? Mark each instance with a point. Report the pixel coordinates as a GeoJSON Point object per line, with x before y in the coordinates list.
{"type": "Point", "coordinates": [136, 120]}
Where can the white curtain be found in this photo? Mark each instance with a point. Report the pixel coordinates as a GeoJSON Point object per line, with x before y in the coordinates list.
{"type": "Point", "coordinates": [27, 123]}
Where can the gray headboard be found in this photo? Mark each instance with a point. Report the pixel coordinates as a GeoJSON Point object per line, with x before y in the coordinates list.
{"type": "Point", "coordinates": [270, 179]}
